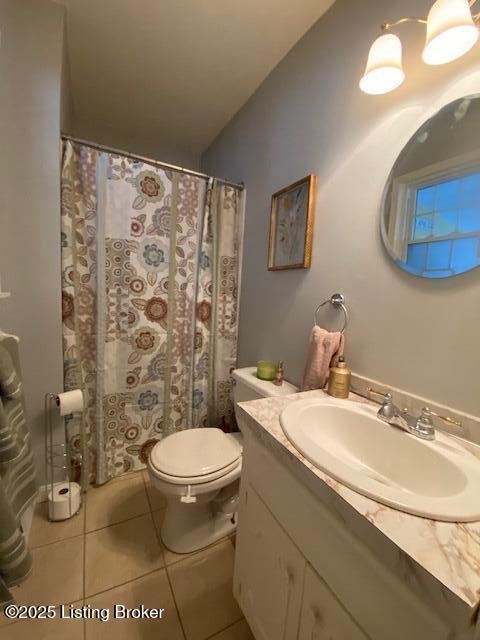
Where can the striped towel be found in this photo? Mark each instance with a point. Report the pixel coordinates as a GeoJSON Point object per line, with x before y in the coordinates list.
{"type": "Point", "coordinates": [18, 483]}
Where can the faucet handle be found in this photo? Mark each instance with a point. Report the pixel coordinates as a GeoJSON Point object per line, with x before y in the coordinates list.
{"type": "Point", "coordinates": [388, 409]}
{"type": "Point", "coordinates": [424, 426]}
{"type": "Point", "coordinates": [427, 412]}
{"type": "Point", "coordinates": [386, 396]}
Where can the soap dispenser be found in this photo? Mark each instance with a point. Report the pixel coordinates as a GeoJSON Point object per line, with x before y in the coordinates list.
{"type": "Point", "coordinates": [339, 380]}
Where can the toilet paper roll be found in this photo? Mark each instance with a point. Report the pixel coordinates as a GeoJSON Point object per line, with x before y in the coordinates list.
{"type": "Point", "coordinates": [64, 500]}
{"type": "Point", "coordinates": [70, 401]}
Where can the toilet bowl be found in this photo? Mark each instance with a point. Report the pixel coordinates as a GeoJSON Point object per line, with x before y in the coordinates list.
{"type": "Point", "coordinates": [198, 471]}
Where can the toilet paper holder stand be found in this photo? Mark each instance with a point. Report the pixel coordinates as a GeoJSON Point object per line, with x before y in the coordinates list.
{"type": "Point", "coordinates": [57, 458]}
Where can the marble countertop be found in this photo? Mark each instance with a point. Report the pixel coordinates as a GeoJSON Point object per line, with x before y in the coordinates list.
{"type": "Point", "coordinates": [448, 551]}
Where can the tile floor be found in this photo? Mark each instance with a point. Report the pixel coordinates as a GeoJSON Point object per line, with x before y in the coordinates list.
{"type": "Point", "coordinates": [112, 553]}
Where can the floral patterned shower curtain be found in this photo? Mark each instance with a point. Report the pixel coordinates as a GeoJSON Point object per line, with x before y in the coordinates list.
{"type": "Point", "coordinates": [151, 266]}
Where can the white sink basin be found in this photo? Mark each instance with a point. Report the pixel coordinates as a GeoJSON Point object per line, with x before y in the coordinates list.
{"type": "Point", "coordinates": [435, 479]}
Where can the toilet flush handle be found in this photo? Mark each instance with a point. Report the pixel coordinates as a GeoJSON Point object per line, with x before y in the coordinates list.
{"type": "Point", "coordinates": [188, 498]}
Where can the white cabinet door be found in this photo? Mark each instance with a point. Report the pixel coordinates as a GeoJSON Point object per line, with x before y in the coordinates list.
{"type": "Point", "coordinates": [323, 617]}
{"type": "Point", "coordinates": [269, 572]}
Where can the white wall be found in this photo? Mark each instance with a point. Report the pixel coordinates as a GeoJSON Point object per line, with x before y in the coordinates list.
{"type": "Point", "coordinates": [30, 79]}
{"type": "Point", "coordinates": [310, 117]}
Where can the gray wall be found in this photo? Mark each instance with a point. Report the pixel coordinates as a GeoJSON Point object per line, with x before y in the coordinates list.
{"type": "Point", "coordinates": [310, 117]}
{"type": "Point", "coordinates": [66, 100]}
{"type": "Point", "coordinates": [133, 142]}
{"type": "Point", "coordinates": [30, 72]}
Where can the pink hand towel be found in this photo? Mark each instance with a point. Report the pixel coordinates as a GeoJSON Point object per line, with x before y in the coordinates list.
{"type": "Point", "coordinates": [324, 349]}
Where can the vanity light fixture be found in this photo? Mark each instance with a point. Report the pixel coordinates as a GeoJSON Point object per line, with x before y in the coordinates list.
{"type": "Point", "coordinates": [384, 70]}
{"type": "Point", "coordinates": [451, 31]}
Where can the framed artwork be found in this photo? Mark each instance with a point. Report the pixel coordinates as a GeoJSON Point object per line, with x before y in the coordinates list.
{"type": "Point", "coordinates": [291, 225]}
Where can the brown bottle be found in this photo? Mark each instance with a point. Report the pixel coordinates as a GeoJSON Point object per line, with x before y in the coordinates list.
{"type": "Point", "coordinates": [339, 380]}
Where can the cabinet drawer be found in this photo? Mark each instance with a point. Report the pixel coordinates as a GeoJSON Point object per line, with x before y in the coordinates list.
{"type": "Point", "coordinates": [378, 599]}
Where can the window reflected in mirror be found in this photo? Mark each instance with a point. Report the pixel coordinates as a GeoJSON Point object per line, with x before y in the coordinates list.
{"type": "Point", "coordinates": [431, 210]}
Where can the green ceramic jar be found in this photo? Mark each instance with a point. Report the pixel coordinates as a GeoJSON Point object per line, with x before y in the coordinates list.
{"type": "Point", "coordinates": [266, 370]}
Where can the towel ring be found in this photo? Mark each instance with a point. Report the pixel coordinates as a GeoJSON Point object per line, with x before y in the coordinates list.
{"type": "Point", "coordinates": [337, 300]}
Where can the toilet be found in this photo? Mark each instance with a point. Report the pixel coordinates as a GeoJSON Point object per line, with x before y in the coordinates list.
{"type": "Point", "coordinates": [198, 472]}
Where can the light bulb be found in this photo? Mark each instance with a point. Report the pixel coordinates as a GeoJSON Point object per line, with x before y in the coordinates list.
{"type": "Point", "coordinates": [383, 72]}
{"type": "Point", "coordinates": [451, 31]}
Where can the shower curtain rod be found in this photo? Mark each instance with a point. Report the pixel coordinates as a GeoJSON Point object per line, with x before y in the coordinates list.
{"type": "Point", "coordinates": [156, 163]}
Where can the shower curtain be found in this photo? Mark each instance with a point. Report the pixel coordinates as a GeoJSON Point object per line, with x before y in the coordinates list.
{"type": "Point", "coordinates": [150, 281]}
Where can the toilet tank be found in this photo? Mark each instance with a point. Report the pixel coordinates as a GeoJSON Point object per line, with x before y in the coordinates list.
{"type": "Point", "coordinates": [248, 387]}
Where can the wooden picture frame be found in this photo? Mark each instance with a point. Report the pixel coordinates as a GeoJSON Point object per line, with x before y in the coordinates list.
{"type": "Point", "coordinates": [291, 225]}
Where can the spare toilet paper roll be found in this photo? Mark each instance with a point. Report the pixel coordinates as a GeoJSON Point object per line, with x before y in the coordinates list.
{"type": "Point", "coordinates": [64, 501]}
{"type": "Point", "coordinates": [70, 401]}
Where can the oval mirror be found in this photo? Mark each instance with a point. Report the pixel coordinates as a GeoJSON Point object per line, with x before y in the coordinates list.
{"type": "Point", "coordinates": [430, 217]}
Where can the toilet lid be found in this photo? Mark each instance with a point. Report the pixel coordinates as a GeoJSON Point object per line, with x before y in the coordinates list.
{"type": "Point", "coordinates": [194, 452]}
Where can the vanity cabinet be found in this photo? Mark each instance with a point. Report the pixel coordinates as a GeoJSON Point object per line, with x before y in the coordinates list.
{"type": "Point", "coordinates": [280, 594]}
{"type": "Point", "coordinates": [301, 574]}
{"type": "Point", "coordinates": [269, 573]}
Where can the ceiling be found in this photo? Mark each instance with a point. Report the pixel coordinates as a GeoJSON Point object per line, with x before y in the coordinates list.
{"type": "Point", "coordinates": [166, 76]}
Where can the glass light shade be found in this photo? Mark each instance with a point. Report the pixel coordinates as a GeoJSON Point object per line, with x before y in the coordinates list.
{"type": "Point", "coordinates": [383, 72]}
{"type": "Point", "coordinates": [451, 31]}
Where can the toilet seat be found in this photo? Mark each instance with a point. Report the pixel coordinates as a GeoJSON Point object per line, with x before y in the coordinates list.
{"type": "Point", "coordinates": [195, 456]}
{"type": "Point", "coordinates": [193, 480]}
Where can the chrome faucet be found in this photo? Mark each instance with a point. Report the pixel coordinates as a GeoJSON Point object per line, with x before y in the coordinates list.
{"type": "Point", "coordinates": [422, 427]}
